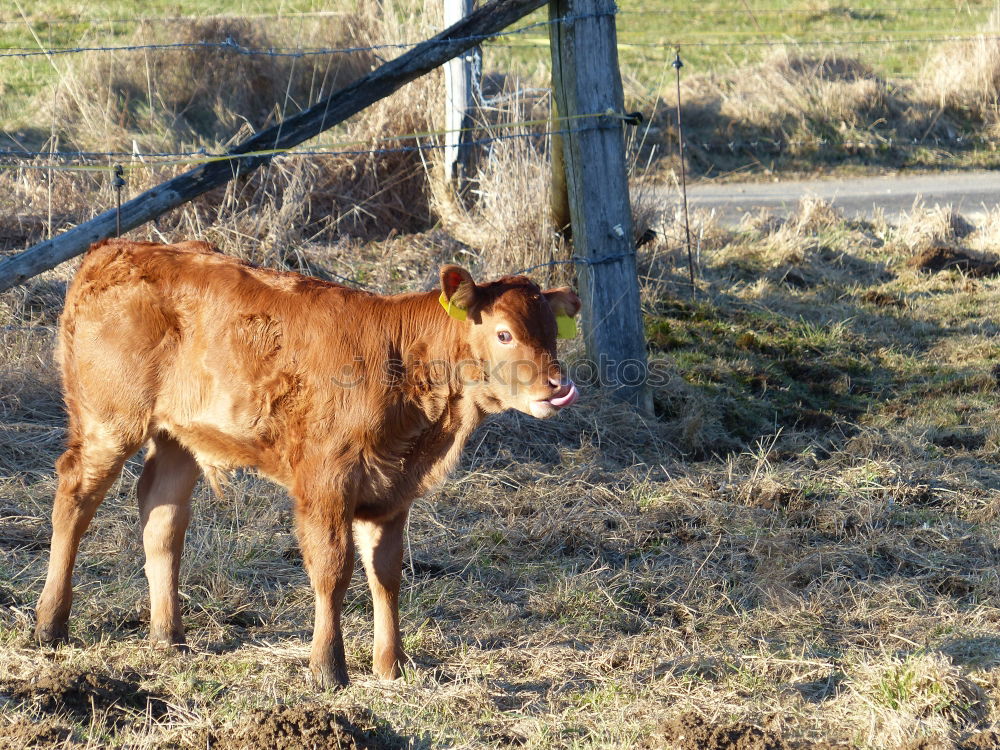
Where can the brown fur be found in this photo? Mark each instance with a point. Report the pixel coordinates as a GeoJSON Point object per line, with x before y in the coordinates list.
{"type": "Point", "coordinates": [350, 400]}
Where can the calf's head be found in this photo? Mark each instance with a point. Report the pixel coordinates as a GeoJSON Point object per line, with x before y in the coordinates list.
{"type": "Point", "coordinates": [512, 327]}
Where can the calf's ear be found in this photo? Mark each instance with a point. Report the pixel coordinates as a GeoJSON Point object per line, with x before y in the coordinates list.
{"type": "Point", "coordinates": [563, 301]}
{"type": "Point", "coordinates": [458, 291]}
{"type": "Point", "coordinates": [565, 305]}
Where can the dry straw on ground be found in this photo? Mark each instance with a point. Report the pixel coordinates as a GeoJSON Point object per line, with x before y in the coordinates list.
{"type": "Point", "coordinates": [800, 549]}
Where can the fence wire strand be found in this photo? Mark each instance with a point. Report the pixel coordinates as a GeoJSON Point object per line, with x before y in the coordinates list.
{"type": "Point", "coordinates": [230, 44]}
{"type": "Point", "coordinates": [194, 158]}
{"type": "Point", "coordinates": [851, 12]}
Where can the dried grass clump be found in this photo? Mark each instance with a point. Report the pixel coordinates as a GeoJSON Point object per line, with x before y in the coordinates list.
{"type": "Point", "coordinates": [986, 236]}
{"type": "Point", "coordinates": [963, 77]}
{"type": "Point", "coordinates": [794, 99]}
{"type": "Point", "coordinates": [204, 97]}
{"type": "Point", "coordinates": [375, 194]}
{"type": "Point", "coordinates": [36, 204]}
{"type": "Point", "coordinates": [919, 688]}
{"type": "Point", "coordinates": [794, 252]}
{"type": "Point", "coordinates": [198, 96]}
{"type": "Point", "coordinates": [923, 228]}
{"type": "Point", "coordinates": [505, 213]}
{"type": "Point", "coordinates": [814, 215]}
{"type": "Point", "coordinates": [788, 89]}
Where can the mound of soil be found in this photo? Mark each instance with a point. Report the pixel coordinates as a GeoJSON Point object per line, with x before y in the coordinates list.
{"type": "Point", "coordinates": [942, 258]}
{"type": "Point", "coordinates": [691, 732]}
{"type": "Point", "coordinates": [882, 298]}
{"type": "Point", "coordinates": [85, 694]}
{"type": "Point", "coordinates": [307, 725]}
{"type": "Point", "coordinates": [988, 740]}
{"type": "Point", "coordinates": [31, 734]}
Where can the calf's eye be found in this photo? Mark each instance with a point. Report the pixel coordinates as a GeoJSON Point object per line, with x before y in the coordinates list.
{"type": "Point", "coordinates": [504, 337]}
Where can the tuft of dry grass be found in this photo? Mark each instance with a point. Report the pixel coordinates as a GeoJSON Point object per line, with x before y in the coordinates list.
{"type": "Point", "coordinates": [208, 98]}
{"type": "Point", "coordinates": [963, 77]}
{"type": "Point", "coordinates": [803, 111]}
{"type": "Point", "coordinates": [198, 96]}
{"type": "Point", "coordinates": [506, 218]}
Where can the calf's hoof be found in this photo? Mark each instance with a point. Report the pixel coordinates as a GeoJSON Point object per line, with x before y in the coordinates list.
{"type": "Point", "coordinates": [328, 677]}
{"type": "Point", "coordinates": [51, 634]}
{"type": "Point", "coordinates": [168, 641]}
{"type": "Point", "coordinates": [389, 666]}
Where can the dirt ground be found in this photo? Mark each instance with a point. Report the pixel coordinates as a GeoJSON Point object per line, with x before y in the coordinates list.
{"type": "Point", "coordinates": [692, 732]}
{"type": "Point", "coordinates": [108, 703]}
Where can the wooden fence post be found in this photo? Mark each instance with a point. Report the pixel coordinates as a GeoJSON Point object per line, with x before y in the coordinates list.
{"type": "Point", "coordinates": [459, 103]}
{"type": "Point", "coordinates": [586, 81]}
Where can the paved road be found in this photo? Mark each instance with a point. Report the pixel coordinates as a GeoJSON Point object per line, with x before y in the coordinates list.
{"type": "Point", "coordinates": [971, 193]}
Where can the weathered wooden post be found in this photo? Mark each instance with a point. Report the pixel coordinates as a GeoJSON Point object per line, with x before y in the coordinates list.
{"type": "Point", "coordinates": [586, 81]}
{"type": "Point", "coordinates": [460, 101]}
{"type": "Point", "coordinates": [558, 197]}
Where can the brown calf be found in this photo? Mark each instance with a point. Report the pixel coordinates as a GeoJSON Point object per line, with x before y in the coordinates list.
{"type": "Point", "coordinates": [356, 403]}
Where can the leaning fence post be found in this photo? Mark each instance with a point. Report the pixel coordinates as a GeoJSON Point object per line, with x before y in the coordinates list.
{"type": "Point", "coordinates": [587, 89]}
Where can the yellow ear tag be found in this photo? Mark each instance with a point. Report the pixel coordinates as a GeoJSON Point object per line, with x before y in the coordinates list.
{"type": "Point", "coordinates": [565, 327]}
{"type": "Point", "coordinates": [451, 308]}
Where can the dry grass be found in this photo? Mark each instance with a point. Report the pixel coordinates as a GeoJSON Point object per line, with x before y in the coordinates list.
{"type": "Point", "coordinates": [504, 214]}
{"type": "Point", "coordinates": [964, 77]}
{"type": "Point", "coordinates": [799, 111]}
{"type": "Point", "coordinates": [802, 110]}
{"type": "Point", "coordinates": [183, 100]}
{"type": "Point", "coordinates": [188, 98]}
{"type": "Point", "coordinates": [821, 565]}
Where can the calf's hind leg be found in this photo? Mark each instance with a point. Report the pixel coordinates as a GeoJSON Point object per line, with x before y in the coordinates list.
{"type": "Point", "coordinates": [164, 490]}
{"type": "Point", "coordinates": [86, 470]}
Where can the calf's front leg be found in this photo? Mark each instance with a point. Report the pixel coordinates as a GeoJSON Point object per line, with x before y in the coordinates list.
{"type": "Point", "coordinates": [324, 530]}
{"type": "Point", "coordinates": [381, 547]}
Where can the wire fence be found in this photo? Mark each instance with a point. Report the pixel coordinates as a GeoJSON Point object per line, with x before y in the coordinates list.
{"type": "Point", "coordinates": [660, 51]}
{"type": "Point", "coordinates": [202, 156]}
{"type": "Point", "coordinates": [230, 44]}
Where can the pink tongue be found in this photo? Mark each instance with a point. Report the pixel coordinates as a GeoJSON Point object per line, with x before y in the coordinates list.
{"type": "Point", "coordinates": [568, 399]}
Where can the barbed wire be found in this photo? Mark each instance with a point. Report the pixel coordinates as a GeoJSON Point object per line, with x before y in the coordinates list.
{"type": "Point", "coordinates": [95, 21]}
{"type": "Point", "coordinates": [806, 35]}
{"type": "Point", "coordinates": [909, 36]}
{"type": "Point", "coordinates": [194, 158]}
{"type": "Point", "coordinates": [669, 45]}
{"type": "Point", "coordinates": [773, 145]}
{"type": "Point", "coordinates": [230, 44]}
{"type": "Point", "coordinates": [837, 10]}
{"type": "Point", "coordinates": [689, 11]}
{"type": "Point", "coordinates": [280, 154]}
{"type": "Point", "coordinates": [203, 153]}
{"type": "Point", "coordinates": [666, 45]}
